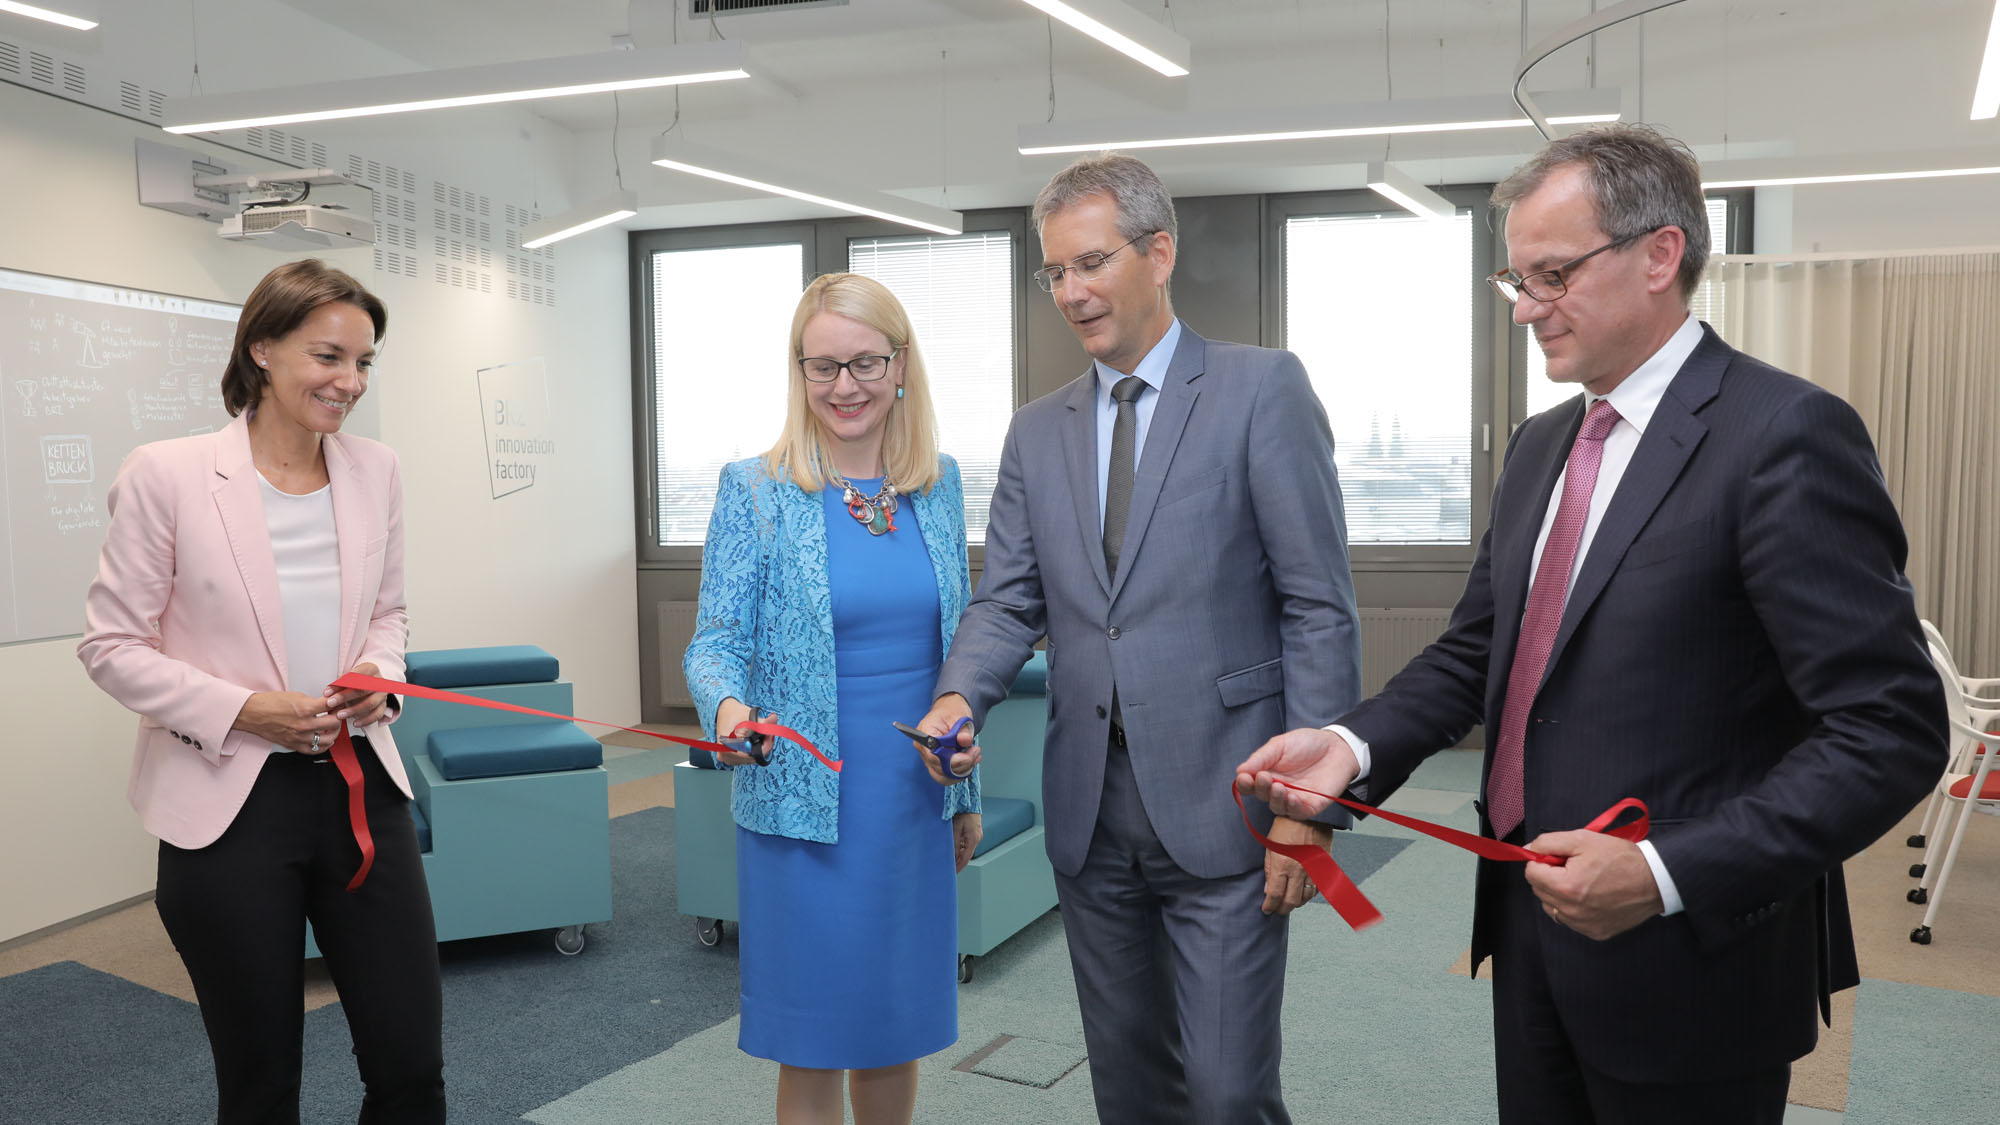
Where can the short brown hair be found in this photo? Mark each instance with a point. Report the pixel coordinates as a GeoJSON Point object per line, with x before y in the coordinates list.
{"type": "Point", "coordinates": [280, 303]}
{"type": "Point", "coordinates": [1639, 178]}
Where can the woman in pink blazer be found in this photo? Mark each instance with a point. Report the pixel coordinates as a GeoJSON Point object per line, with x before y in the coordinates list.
{"type": "Point", "coordinates": [244, 571]}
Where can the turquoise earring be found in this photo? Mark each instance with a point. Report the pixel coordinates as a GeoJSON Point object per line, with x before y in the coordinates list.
{"type": "Point", "coordinates": [899, 392]}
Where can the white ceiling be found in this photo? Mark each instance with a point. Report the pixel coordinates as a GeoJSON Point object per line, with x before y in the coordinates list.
{"type": "Point", "coordinates": [917, 96]}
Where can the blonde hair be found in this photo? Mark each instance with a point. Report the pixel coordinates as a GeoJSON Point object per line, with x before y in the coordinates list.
{"type": "Point", "coordinates": [909, 447]}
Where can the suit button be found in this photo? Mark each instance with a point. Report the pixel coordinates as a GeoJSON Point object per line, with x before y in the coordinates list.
{"type": "Point", "coordinates": [1112, 632]}
{"type": "Point", "coordinates": [186, 739]}
{"type": "Point", "coordinates": [1100, 712]}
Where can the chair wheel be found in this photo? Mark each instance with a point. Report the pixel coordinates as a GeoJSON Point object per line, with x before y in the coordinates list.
{"type": "Point", "coordinates": [1916, 871]}
{"type": "Point", "coordinates": [1919, 895]}
{"type": "Point", "coordinates": [708, 931]}
{"type": "Point", "coordinates": [965, 968]}
{"type": "Point", "coordinates": [569, 941]}
{"type": "Point", "coordinates": [1916, 841]}
{"type": "Point", "coordinates": [1921, 935]}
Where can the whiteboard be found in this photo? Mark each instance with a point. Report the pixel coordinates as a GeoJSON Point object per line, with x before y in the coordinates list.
{"type": "Point", "coordinates": [87, 374]}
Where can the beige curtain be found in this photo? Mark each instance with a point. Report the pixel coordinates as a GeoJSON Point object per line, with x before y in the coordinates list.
{"type": "Point", "coordinates": [1913, 343]}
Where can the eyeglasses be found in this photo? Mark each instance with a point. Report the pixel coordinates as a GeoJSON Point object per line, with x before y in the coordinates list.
{"type": "Point", "coordinates": [864, 368]}
{"type": "Point", "coordinates": [1086, 267]}
{"type": "Point", "coordinates": [1548, 285]}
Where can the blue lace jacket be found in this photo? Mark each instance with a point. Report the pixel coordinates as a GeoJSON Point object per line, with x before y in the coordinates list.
{"type": "Point", "coordinates": [764, 634]}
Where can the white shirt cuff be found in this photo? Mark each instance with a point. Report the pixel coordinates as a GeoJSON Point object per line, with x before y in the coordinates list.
{"type": "Point", "coordinates": [1356, 743]}
{"type": "Point", "coordinates": [1670, 896]}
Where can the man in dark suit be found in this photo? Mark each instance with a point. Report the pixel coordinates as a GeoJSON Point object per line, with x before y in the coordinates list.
{"type": "Point", "coordinates": [1691, 593]}
{"type": "Point", "coordinates": [1171, 521]}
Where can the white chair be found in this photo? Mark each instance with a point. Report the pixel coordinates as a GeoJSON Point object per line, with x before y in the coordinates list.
{"type": "Point", "coordinates": [1973, 691]}
{"type": "Point", "coordinates": [1968, 780]}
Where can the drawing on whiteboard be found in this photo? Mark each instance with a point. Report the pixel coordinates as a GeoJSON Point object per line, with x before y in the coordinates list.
{"type": "Point", "coordinates": [66, 459]}
{"type": "Point", "coordinates": [26, 387]}
{"type": "Point", "coordinates": [89, 358]}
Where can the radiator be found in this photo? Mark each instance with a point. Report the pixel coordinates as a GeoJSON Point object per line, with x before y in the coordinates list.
{"type": "Point", "coordinates": [676, 630]}
{"type": "Point", "coordinates": [1390, 637]}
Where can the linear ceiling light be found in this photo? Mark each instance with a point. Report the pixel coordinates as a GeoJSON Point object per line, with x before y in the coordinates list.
{"type": "Point", "coordinates": [1355, 119]}
{"type": "Point", "coordinates": [1122, 28]}
{"type": "Point", "coordinates": [1404, 191]}
{"type": "Point", "coordinates": [66, 19]}
{"type": "Point", "coordinates": [1795, 171]}
{"type": "Point", "coordinates": [742, 171]}
{"type": "Point", "coordinates": [472, 85]}
{"type": "Point", "coordinates": [1986, 96]}
{"type": "Point", "coordinates": [576, 220]}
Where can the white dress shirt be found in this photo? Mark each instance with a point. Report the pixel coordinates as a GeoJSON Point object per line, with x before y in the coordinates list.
{"type": "Point", "coordinates": [1153, 369]}
{"type": "Point", "coordinates": [1635, 399]}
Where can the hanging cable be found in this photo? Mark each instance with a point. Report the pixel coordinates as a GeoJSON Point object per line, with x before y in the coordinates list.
{"type": "Point", "coordinates": [1052, 66]}
{"type": "Point", "coordinates": [194, 38]}
{"type": "Point", "coordinates": [617, 113]}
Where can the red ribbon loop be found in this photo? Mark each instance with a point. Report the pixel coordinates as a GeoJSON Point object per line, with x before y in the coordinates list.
{"type": "Point", "coordinates": [1347, 899]}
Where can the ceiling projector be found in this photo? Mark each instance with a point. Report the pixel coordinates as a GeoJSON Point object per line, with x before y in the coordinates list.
{"type": "Point", "coordinates": [299, 227]}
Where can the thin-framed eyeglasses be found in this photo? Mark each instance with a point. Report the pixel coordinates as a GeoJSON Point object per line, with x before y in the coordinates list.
{"type": "Point", "coordinates": [1086, 267]}
{"type": "Point", "coordinates": [864, 368]}
{"type": "Point", "coordinates": [1548, 285]}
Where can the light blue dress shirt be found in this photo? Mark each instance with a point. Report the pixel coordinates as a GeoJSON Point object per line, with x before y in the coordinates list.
{"type": "Point", "coordinates": [1153, 369]}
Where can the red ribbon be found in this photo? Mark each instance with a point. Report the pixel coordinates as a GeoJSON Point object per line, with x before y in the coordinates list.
{"type": "Point", "coordinates": [1354, 907]}
{"type": "Point", "coordinates": [357, 810]}
{"type": "Point", "coordinates": [359, 682]}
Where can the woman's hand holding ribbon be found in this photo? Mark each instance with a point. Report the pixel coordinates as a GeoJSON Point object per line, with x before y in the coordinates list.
{"type": "Point", "coordinates": [730, 715]}
{"type": "Point", "coordinates": [289, 719]}
{"type": "Point", "coordinates": [362, 708]}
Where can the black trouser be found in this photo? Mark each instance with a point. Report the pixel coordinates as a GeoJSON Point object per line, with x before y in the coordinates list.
{"type": "Point", "coordinates": [237, 909]}
{"type": "Point", "coordinates": [1542, 1081]}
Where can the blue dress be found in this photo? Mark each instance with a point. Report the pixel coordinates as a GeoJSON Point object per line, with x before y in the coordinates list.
{"type": "Point", "coordinates": [850, 950]}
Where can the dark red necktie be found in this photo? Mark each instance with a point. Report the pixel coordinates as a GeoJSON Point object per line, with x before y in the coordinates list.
{"type": "Point", "coordinates": [1505, 805]}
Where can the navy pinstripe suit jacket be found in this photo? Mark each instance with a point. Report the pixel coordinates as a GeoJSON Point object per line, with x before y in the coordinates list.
{"type": "Point", "coordinates": [1740, 651]}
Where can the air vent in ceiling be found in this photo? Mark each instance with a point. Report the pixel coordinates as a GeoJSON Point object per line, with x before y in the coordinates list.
{"type": "Point", "coordinates": [702, 9]}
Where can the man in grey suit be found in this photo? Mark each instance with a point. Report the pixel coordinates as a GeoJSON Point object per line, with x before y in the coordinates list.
{"type": "Point", "coordinates": [1171, 521]}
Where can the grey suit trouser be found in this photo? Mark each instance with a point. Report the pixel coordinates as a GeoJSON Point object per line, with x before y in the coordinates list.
{"type": "Point", "coordinates": [1180, 979]}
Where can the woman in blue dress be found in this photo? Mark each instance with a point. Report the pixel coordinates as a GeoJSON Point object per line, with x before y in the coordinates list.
{"type": "Point", "coordinates": [832, 579]}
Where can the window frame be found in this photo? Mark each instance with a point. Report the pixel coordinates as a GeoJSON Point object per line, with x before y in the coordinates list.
{"type": "Point", "coordinates": [645, 467]}
{"type": "Point", "coordinates": [825, 250]}
{"type": "Point", "coordinates": [1487, 360]}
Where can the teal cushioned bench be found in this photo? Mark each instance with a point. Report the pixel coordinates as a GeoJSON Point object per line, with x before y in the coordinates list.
{"type": "Point", "coordinates": [533, 747]}
{"type": "Point", "coordinates": [512, 810]}
{"type": "Point", "coordinates": [467, 667]}
{"type": "Point", "coordinates": [1009, 882]}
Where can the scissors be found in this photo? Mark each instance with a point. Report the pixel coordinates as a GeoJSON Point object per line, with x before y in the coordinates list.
{"type": "Point", "coordinates": [757, 747]}
{"type": "Point", "coordinates": [946, 748]}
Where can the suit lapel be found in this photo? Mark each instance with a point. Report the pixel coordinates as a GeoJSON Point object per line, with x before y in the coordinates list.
{"type": "Point", "coordinates": [241, 507]}
{"type": "Point", "coordinates": [1163, 436]}
{"type": "Point", "coordinates": [350, 532]}
{"type": "Point", "coordinates": [1080, 451]}
{"type": "Point", "coordinates": [1670, 440]}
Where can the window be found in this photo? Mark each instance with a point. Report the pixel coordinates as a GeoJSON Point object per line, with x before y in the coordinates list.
{"type": "Point", "coordinates": [1379, 308]}
{"type": "Point", "coordinates": [1725, 235]}
{"type": "Point", "coordinates": [720, 327]}
{"type": "Point", "coordinates": [960, 295]}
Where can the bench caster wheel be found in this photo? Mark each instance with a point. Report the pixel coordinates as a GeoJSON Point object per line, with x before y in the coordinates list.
{"type": "Point", "coordinates": [569, 941]}
{"type": "Point", "coordinates": [1918, 895]}
{"type": "Point", "coordinates": [1921, 935]}
{"type": "Point", "coordinates": [965, 968]}
{"type": "Point", "coordinates": [708, 931]}
{"type": "Point", "coordinates": [1916, 841]}
{"type": "Point", "coordinates": [1916, 871]}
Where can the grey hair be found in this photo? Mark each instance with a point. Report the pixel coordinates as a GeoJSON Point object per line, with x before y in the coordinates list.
{"type": "Point", "coordinates": [1639, 179]}
{"type": "Point", "coordinates": [1142, 200]}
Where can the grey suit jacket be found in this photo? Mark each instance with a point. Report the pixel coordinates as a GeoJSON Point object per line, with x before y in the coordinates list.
{"type": "Point", "coordinates": [1232, 616]}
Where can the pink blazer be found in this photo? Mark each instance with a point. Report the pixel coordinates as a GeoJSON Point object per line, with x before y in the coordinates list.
{"type": "Point", "coordinates": [182, 623]}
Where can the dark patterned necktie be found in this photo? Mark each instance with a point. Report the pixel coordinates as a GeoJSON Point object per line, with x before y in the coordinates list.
{"type": "Point", "coordinates": [1118, 487]}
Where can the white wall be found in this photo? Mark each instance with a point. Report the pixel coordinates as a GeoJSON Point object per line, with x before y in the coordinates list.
{"type": "Point", "coordinates": [553, 565]}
